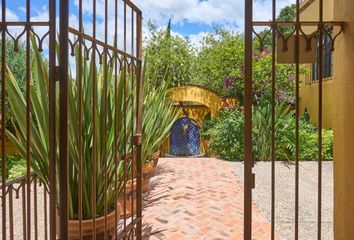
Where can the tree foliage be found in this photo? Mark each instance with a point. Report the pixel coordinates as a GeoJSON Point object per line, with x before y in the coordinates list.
{"type": "Point", "coordinates": [169, 57]}
{"type": "Point", "coordinates": [220, 66]}
{"type": "Point", "coordinates": [16, 62]}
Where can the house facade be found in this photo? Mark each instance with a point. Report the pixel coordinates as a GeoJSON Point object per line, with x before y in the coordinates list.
{"type": "Point", "coordinates": [309, 81]}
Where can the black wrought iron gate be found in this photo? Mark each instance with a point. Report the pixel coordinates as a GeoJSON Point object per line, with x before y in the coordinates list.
{"type": "Point", "coordinates": [76, 121]}
{"type": "Point", "coordinates": [303, 33]}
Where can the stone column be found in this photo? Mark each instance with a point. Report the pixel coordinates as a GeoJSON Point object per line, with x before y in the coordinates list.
{"type": "Point", "coordinates": [344, 123]}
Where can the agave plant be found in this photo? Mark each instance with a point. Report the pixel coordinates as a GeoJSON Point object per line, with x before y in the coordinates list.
{"type": "Point", "coordinates": [107, 167]}
{"type": "Point", "coordinates": [159, 116]}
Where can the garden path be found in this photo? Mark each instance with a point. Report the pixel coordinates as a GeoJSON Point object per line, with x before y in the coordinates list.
{"type": "Point", "coordinates": [198, 198]}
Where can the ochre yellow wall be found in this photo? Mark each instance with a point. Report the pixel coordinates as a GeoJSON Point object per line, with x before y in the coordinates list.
{"type": "Point", "coordinates": [311, 13]}
{"type": "Point", "coordinates": [309, 91]}
{"type": "Point", "coordinates": [198, 95]}
{"type": "Point", "coordinates": [309, 100]}
{"type": "Point", "coordinates": [344, 123]}
{"type": "Point", "coordinates": [10, 149]}
{"type": "Point", "coordinates": [197, 113]}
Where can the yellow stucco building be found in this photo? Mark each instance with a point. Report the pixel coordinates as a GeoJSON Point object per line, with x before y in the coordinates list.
{"type": "Point", "coordinates": [309, 82]}
{"type": "Point", "coordinates": [338, 98]}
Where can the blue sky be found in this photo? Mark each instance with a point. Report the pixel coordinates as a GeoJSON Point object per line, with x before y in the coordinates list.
{"type": "Point", "coordinates": [192, 18]}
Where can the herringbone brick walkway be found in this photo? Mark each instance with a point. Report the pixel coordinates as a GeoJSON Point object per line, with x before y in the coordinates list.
{"type": "Point", "coordinates": [198, 198]}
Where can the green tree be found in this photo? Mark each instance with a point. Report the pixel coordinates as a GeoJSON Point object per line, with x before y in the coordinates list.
{"type": "Point", "coordinates": [16, 62]}
{"type": "Point", "coordinates": [170, 57]}
{"type": "Point", "coordinates": [220, 56]}
{"type": "Point", "coordinates": [286, 14]}
{"type": "Point", "coordinates": [220, 66]}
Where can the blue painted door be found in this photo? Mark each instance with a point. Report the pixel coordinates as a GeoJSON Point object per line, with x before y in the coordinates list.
{"type": "Point", "coordinates": [184, 138]}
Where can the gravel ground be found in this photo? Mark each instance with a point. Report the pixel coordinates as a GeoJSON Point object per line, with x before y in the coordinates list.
{"type": "Point", "coordinates": [285, 197]}
{"type": "Point", "coordinates": [15, 224]}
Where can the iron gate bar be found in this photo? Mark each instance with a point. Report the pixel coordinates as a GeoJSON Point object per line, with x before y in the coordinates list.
{"type": "Point", "coordinates": [63, 117]}
{"type": "Point", "coordinates": [132, 64]}
{"type": "Point", "coordinates": [116, 115]}
{"type": "Point", "coordinates": [28, 130]}
{"type": "Point", "coordinates": [26, 24]}
{"type": "Point", "coordinates": [248, 122]}
{"type": "Point", "coordinates": [102, 44]}
{"type": "Point", "coordinates": [274, 5]}
{"type": "Point", "coordinates": [301, 23]}
{"type": "Point", "coordinates": [321, 26]}
{"type": "Point", "coordinates": [133, 6]}
{"type": "Point", "coordinates": [94, 104]}
{"type": "Point", "coordinates": [24, 231]}
{"type": "Point", "coordinates": [125, 117]}
{"type": "Point", "coordinates": [297, 125]}
{"type": "Point", "coordinates": [52, 125]}
{"type": "Point", "coordinates": [132, 106]}
{"type": "Point", "coordinates": [3, 118]}
{"type": "Point", "coordinates": [139, 116]}
{"type": "Point", "coordinates": [80, 140]}
{"type": "Point", "coordinates": [105, 115]}
{"type": "Point", "coordinates": [320, 97]}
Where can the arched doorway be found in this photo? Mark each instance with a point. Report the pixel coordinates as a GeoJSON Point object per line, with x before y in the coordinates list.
{"type": "Point", "coordinates": [185, 138]}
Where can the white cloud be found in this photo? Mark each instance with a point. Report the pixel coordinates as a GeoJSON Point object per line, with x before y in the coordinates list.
{"type": "Point", "coordinates": [196, 39]}
{"type": "Point", "coordinates": [221, 12]}
{"type": "Point", "coordinates": [226, 13]}
{"type": "Point", "coordinates": [10, 15]}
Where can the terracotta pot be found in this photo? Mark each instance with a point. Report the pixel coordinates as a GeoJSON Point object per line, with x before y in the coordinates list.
{"type": "Point", "coordinates": [87, 227]}
{"type": "Point", "coordinates": [155, 158]}
{"type": "Point", "coordinates": [148, 170]}
{"type": "Point", "coordinates": [145, 186]}
{"type": "Point", "coordinates": [130, 193]}
{"type": "Point", "coordinates": [130, 198]}
{"type": "Point", "coordinates": [130, 206]}
{"type": "Point", "coordinates": [156, 155]}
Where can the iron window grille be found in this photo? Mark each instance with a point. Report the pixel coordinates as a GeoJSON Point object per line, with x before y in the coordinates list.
{"type": "Point", "coordinates": [327, 59]}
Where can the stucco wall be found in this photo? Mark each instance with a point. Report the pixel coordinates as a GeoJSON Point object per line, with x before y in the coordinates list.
{"type": "Point", "coordinates": [344, 123]}
{"type": "Point", "coordinates": [309, 92]}
{"type": "Point", "coordinates": [309, 100]}
{"type": "Point", "coordinates": [198, 95]}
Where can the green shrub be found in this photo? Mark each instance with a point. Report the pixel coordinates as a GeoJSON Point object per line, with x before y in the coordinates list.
{"type": "Point", "coordinates": [226, 135]}
{"type": "Point", "coordinates": [15, 166]}
{"type": "Point", "coordinates": [308, 141]}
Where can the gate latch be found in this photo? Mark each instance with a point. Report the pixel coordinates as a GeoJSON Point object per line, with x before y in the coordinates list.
{"type": "Point", "coordinates": [136, 140]}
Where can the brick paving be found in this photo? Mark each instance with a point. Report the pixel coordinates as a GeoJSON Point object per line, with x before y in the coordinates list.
{"type": "Point", "coordinates": [198, 198]}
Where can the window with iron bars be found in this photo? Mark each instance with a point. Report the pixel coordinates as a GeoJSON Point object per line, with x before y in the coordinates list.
{"type": "Point", "coordinates": [327, 60]}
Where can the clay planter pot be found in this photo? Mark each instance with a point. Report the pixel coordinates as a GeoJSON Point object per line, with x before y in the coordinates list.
{"type": "Point", "coordinates": [155, 158]}
{"type": "Point", "coordinates": [130, 199]}
{"type": "Point", "coordinates": [129, 209]}
{"type": "Point", "coordinates": [148, 170]}
{"type": "Point", "coordinates": [145, 186]}
{"type": "Point", "coordinates": [87, 227]}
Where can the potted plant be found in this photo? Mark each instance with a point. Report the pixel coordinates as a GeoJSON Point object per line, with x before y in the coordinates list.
{"type": "Point", "coordinates": [157, 123]}
{"type": "Point", "coordinates": [158, 117]}
{"type": "Point", "coordinates": [108, 171]}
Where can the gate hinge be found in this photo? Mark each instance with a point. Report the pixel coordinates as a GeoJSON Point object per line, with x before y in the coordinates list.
{"type": "Point", "coordinates": [57, 73]}
{"type": "Point", "coordinates": [136, 140]}
{"type": "Point", "coordinates": [253, 180]}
